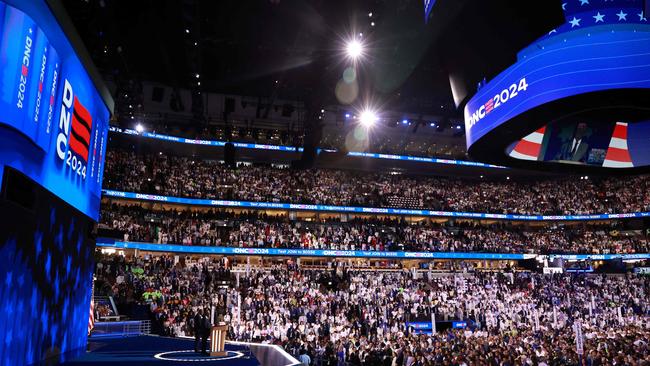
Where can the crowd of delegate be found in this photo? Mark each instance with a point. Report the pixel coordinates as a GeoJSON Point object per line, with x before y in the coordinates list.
{"type": "Point", "coordinates": [352, 318]}
{"type": "Point", "coordinates": [192, 177]}
{"type": "Point", "coordinates": [257, 229]}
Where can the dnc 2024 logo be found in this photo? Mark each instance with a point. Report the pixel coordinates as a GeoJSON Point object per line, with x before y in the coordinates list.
{"type": "Point", "coordinates": [75, 127]}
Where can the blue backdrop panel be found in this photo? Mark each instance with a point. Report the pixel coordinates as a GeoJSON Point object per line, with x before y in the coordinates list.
{"type": "Point", "coordinates": [45, 281]}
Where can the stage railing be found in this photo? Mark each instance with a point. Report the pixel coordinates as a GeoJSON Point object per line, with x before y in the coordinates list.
{"type": "Point", "coordinates": [123, 328]}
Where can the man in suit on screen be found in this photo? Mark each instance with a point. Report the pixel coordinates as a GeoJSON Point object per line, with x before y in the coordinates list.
{"type": "Point", "coordinates": [575, 147]}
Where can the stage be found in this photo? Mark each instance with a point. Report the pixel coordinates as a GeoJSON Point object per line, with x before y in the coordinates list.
{"type": "Point", "coordinates": [155, 350]}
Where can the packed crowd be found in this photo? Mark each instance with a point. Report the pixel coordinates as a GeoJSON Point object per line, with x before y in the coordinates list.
{"type": "Point", "coordinates": [342, 317]}
{"type": "Point", "coordinates": [188, 177]}
{"type": "Point", "coordinates": [257, 229]}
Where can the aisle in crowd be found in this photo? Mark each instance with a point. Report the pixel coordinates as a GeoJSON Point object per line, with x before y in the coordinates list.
{"type": "Point", "coordinates": [341, 317]}
{"type": "Point", "coordinates": [193, 177]}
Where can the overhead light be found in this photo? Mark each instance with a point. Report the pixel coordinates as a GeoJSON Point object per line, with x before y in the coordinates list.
{"type": "Point", "coordinates": [139, 127]}
{"type": "Point", "coordinates": [347, 115]}
{"type": "Point", "coordinates": [370, 15]}
{"type": "Point", "coordinates": [372, 24]}
{"type": "Point", "coordinates": [354, 49]}
{"type": "Point", "coordinates": [197, 76]}
{"type": "Point", "coordinates": [368, 118]}
{"type": "Point", "coordinates": [187, 31]}
{"type": "Point", "coordinates": [405, 121]}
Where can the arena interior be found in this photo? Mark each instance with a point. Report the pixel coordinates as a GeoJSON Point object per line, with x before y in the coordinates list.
{"type": "Point", "coordinates": [325, 183]}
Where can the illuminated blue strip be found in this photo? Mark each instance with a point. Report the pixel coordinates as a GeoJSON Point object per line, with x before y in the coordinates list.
{"type": "Point", "coordinates": [104, 242]}
{"type": "Point", "coordinates": [600, 257]}
{"type": "Point", "coordinates": [424, 159]}
{"type": "Point", "coordinates": [366, 210]}
{"type": "Point", "coordinates": [206, 142]}
{"type": "Point", "coordinates": [175, 248]}
{"type": "Point", "coordinates": [244, 145]}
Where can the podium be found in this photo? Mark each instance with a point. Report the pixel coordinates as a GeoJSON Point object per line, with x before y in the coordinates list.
{"type": "Point", "coordinates": [218, 340]}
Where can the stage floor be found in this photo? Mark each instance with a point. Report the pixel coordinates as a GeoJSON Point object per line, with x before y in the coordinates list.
{"type": "Point", "coordinates": [154, 350]}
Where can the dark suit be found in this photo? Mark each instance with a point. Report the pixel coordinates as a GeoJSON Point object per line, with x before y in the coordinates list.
{"type": "Point", "coordinates": [205, 332]}
{"type": "Point", "coordinates": [574, 150]}
{"type": "Point", "coordinates": [197, 332]}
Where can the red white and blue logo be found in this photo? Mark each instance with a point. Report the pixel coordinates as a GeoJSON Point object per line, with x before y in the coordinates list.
{"type": "Point", "coordinates": [75, 127]}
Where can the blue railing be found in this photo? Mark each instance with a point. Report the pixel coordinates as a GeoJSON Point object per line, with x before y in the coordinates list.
{"type": "Point", "coordinates": [365, 210]}
{"type": "Point", "coordinates": [190, 249]}
{"type": "Point", "coordinates": [244, 145]}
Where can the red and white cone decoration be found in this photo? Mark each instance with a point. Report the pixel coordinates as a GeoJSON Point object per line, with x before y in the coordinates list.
{"type": "Point", "coordinates": [529, 147]}
{"type": "Point", "coordinates": [618, 156]}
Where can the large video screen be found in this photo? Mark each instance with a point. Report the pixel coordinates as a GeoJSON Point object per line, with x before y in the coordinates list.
{"type": "Point", "coordinates": [595, 65]}
{"type": "Point", "coordinates": [53, 122]}
{"type": "Point", "coordinates": [609, 145]}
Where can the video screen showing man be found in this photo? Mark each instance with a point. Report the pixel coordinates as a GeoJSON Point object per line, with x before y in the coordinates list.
{"type": "Point", "coordinates": [580, 142]}
{"type": "Point", "coordinates": [575, 148]}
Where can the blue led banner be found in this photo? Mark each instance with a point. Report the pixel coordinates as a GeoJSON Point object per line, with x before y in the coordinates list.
{"type": "Point", "coordinates": [190, 249]}
{"type": "Point", "coordinates": [104, 242]}
{"type": "Point", "coordinates": [54, 122]}
{"type": "Point", "coordinates": [423, 159]}
{"type": "Point", "coordinates": [244, 145]}
{"type": "Point", "coordinates": [184, 140]}
{"type": "Point", "coordinates": [365, 210]}
{"type": "Point", "coordinates": [600, 257]}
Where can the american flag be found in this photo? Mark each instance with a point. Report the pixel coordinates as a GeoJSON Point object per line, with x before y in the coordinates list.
{"type": "Point", "coordinates": [91, 317]}
{"type": "Point", "coordinates": [587, 13]}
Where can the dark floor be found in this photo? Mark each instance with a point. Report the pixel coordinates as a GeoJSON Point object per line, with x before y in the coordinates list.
{"type": "Point", "coordinates": [141, 350]}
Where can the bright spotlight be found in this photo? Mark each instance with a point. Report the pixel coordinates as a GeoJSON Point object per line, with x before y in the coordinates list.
{"type": "Point", "coordinates": [368, 118]}
{"type": "Point", "coordinates": [139, 128]}
{"type": "Point", "coordinates": [354, 49]}
{"type": "Point", "coordinates": [405, 121]}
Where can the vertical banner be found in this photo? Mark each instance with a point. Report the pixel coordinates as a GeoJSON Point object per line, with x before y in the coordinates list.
{"type": "Point", "coordinates": [577, 328]}
{"type": "Point", "coordinates": [433, 321]}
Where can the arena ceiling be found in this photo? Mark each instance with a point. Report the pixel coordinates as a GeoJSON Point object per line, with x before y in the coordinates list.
{"type": "Point", "coordinates": [285, 48]}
